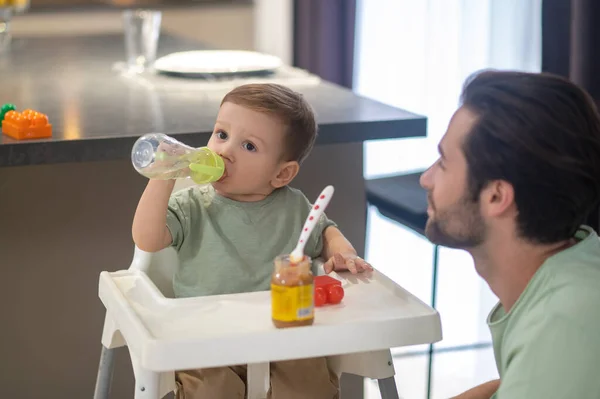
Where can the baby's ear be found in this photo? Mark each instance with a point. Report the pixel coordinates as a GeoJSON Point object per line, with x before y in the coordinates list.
{"type": "Point", "coordinates": [287, 173]}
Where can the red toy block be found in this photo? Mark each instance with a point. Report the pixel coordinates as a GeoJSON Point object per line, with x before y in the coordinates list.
{"type": "Point", "coordinates": [328, 290]}
{"type": "Point", "coordinates": [26, 125]}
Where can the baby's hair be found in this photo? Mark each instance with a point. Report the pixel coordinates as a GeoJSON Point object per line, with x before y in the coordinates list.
{"type": "Point", "coordinates": [286, 105]}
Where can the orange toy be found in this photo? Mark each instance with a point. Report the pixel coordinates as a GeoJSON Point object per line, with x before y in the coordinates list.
{"type": "Point", "coordinates": [28, 124]}
{"type": "Point", "coordinates": [328, 290]}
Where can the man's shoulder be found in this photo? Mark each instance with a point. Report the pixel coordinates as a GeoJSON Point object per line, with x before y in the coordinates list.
{"type": "Point", "coordinates": [565, 288]}
{"type": "Point", "coordinates": [549, 345]}
{"type": "Point", "coordinates": [568, 292]}
{"type": "Point", "coordinates": [574, 275]}
{"type": "Point", "coordinates": [565, 313]}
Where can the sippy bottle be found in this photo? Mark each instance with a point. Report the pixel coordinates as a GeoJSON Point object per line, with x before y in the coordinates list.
{"type": "Point", "coordinates": [158, 156]}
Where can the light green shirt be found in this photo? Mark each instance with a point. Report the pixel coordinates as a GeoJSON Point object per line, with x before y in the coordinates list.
{"type": "Point", "coordinates": [548, 345]}
{"type": "Point", "coordinates": [226, 246]}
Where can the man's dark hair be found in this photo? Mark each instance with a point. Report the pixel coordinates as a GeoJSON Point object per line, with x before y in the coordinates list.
{"type": "Point", "coordinates": [540, 133]}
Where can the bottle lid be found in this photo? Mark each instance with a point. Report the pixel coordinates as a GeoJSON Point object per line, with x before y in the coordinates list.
{"type": "Point", "coordinates": [207, 166]}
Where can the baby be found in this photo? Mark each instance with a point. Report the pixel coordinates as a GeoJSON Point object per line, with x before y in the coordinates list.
{"type": "Point", "coordinates": [227, 234]}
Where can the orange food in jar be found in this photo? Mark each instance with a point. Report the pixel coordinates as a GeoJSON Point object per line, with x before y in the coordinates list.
{"type": "Point", "coordinates": [292, 293]}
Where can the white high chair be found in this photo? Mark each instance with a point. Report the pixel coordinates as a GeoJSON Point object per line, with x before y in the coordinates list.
{"type": "Point", "coordinates": [150, 276]}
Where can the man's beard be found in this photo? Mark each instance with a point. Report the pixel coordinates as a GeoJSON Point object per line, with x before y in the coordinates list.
{"type": "Point", "coordinates": [459, 227]}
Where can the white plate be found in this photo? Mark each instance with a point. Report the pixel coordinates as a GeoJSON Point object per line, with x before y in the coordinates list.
{"type": "Point", "coordinates": [216, 62]}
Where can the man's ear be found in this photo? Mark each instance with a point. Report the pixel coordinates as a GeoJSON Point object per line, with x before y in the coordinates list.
{"type": "Point", "coordinates": [287, 173]}
{"type": "Point", "coordinates": [498, 198]}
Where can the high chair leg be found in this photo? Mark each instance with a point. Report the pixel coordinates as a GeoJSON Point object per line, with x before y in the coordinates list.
{"type": "Point", "coordinates": [258, 380]}
{"type": "Point", "coordinates": [387, 388]}
{"type": "Point", "coordinates": [147, 383]}
{"type": "Point", "coordinates": [105, 373]}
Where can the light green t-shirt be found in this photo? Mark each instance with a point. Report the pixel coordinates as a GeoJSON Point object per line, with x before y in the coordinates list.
{"type": "Point", "coordinates": [226, 246]}
{"type": "Point", "coordinates": [548, 345]}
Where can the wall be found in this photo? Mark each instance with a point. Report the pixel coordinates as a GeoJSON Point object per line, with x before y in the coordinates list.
{"type": "Point", "coordinates": [273, 28]}
{"type": "Point", "coordinates": [222, 26]}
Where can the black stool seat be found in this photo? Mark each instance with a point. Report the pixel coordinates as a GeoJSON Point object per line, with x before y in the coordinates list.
{"type": "Point", "coordinates": [400, 198]}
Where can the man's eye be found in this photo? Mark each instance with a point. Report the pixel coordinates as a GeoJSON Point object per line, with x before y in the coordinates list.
{"type": "Point", "coordinates": [222, 135]}
{"type": "Point", "coordinates": [249, 146]}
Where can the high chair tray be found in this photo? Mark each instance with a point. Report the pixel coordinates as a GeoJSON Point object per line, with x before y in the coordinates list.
{"type": "Point", "coordinates": [174, 334]}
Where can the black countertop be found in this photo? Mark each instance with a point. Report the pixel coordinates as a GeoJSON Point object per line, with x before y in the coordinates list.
{"type": "Point", "coordinates": [97, 114]}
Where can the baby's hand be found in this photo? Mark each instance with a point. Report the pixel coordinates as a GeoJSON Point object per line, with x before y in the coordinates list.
{"type": "Point", "coordinates": [346, 261]}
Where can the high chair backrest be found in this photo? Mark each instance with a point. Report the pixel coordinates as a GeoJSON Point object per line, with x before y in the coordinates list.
{"type": "Point", "coordinates": [159, 266]}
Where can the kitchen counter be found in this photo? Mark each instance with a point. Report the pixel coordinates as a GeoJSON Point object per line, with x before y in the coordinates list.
{"type": "Point", "coordinates": [97, 113]}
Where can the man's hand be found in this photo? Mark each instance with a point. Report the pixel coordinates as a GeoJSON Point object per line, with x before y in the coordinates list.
{"type": "Point", "coordinates": [347, 261]}
{"type": "Point", "coordinates": [483, 391]}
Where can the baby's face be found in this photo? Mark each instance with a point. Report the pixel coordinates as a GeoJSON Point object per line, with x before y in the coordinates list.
{"type": "Point", "coordinates": [251, 144]}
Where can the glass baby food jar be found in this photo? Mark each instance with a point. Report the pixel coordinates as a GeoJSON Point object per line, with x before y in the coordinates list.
{"type": "Point", "coordinates": [292, 293]}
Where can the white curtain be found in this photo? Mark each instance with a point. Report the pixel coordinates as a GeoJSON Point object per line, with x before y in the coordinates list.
{"type": "Point", "coordinates": [416, 54]}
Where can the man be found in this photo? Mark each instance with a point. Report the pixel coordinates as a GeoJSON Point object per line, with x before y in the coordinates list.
{"type": "Point", "coordinates": [518, 173]}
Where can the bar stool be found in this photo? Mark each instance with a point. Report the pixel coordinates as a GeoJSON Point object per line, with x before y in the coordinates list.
{"type": "Point", "coordinates": [402, 199]}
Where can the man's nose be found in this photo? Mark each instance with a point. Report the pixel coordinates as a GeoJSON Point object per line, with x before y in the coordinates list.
{"type": "Point", "coordinates": [426, 179]}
